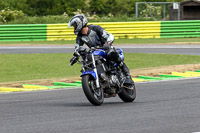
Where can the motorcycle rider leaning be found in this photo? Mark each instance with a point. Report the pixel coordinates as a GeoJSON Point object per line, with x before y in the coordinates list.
{"type": "Point", "coordinates": [93, 36]}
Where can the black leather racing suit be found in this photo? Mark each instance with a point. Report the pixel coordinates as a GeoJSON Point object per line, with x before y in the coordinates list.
{"type": "Point", "coordinates": [98, 36]}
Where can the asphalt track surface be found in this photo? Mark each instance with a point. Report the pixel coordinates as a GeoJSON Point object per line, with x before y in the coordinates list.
{"type": "Point", "coordinates": [160, 107]}
{"type": "Point", "coordinates": [168, 49]}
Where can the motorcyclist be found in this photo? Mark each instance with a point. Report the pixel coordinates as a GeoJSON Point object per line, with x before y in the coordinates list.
{"type": "Point", "coordinates": [93, 36]}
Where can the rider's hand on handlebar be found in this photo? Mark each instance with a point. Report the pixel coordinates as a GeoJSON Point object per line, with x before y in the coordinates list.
{"type": "Point", "coordinates": [107, 46]}
{"type": "Point", "coordinates": [76, 54]}
{"type": "Point", "coordinates": [73, 60]}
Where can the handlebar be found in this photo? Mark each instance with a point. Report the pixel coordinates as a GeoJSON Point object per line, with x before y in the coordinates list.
{"type": "Point", "coordinates": [93, 48]}
{"type": "Point", "coordinates": [100, 48]}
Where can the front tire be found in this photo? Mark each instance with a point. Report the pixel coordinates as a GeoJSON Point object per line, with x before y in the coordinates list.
{"type": "Point", "coordinates": [93, 94]}
{"type": "Point", "coordinates": [128, 95]}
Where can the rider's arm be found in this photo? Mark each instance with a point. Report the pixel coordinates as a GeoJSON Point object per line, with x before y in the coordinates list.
{"type": "Point", "coordinates": [79, 43]}
{"type": "Point", "coordinates": [108, 37]}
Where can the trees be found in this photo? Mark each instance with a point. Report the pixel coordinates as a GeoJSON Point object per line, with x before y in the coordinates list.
{"type": "Point", "coordinates": [58, 7]}
{"type": "Point", "coordinates": [97, 6]}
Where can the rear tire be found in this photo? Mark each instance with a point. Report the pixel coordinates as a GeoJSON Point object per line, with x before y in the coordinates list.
{"type": "Point", "coordinates": [94, 95]}
{"type": "Point", "coordinates": [128, 95]}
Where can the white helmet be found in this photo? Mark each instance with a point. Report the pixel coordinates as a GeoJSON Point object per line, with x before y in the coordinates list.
{"type": "Point", "coordinates": [78, 22]}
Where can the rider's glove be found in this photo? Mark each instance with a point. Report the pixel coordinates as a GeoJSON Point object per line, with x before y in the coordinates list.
{"type": "Point", "coordinates": [76, 54]}
{"type": "Point", "coordinates": [73, 60]}
{"type": "Point", "coordinates": [107, 46]}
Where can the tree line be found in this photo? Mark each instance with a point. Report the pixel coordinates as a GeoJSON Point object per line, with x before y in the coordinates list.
{"type": "Point", "coordinates": [58, 7]}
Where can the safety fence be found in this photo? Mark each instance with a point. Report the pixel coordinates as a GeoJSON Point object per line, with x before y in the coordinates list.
{"type": "Point", "coordinates": [26, 32]}
{"type": "Point", "coordinates": [118, 29]}
{"type": "Point", "coordinates": [147, 29]}
{"type": "Point", "coordinates": [180, 29]}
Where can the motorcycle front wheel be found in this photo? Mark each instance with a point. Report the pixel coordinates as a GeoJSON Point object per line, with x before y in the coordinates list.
{"type": "Point", "coordinates": [93, 94]}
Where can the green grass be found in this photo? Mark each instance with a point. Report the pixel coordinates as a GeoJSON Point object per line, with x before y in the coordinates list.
{"type": "Point", "coordinates": [21, 67]}
{"type": "Point", "coordinates": [117, 41]}
{"type": "Point", "coordinates": [140, 60]}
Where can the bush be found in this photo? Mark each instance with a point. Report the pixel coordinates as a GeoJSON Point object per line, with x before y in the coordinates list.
{"type": "Point", "coordinates": [52, 19]}
{"type": "Point", "coordinates": [41, 20]}
{"type": "Point", "coordinates": [154, 10]}
{"type": "Point", "coordinates": [7, 15]}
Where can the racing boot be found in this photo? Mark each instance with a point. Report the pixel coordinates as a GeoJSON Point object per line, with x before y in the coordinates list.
{"type": "Point", "coordinates": [128, 81]}
{"type": "Point", "coordinates": [125, 69]}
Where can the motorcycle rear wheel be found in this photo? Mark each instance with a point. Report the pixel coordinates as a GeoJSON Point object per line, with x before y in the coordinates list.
{"type": "Point", "coordinates": [128, 95]}
{"type": "Point", "coordinates": [93, 94]}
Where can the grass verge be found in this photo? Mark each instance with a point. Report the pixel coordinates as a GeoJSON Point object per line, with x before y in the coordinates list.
{"type": "Point", "coordinates": [22, 67]}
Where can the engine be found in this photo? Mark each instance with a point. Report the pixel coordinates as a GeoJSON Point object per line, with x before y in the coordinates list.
{"type": "Point", "coordinates": [114, 80]}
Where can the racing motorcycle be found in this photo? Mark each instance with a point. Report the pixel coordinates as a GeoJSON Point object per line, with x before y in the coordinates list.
{"type": "Point", "coordinates": [102, 78]}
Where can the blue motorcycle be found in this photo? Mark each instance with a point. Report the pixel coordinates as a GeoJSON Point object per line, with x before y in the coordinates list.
{"type": "Point", "coordinates": [102, 78]}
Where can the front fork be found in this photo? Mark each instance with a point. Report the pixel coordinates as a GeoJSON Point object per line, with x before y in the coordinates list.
{"type": "Point", "coordinates": [95, 70]}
